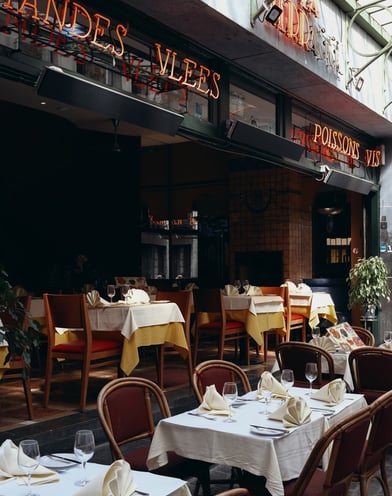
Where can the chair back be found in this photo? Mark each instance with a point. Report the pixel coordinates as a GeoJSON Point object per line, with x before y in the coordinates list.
{"type": "Point", "coordinates": [183, 299]}
{"type": "Point", "coordinates": [366, 336]}
{"type": "Point", "coordinates": [368, 367]}
{"type": "Point", "coordinates": [209, 301]}
{"type": "Point", "coordinates": [218, 372]}
{"type": "Point", "coordinates": [346, 439]}
{"type": "Point", "coordinates": [294, 355]}
{"type": "Point", "coordinates": [273, 290]}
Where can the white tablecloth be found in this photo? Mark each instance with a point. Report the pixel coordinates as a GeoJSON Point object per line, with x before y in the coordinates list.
{"type": "Point", "coordinates": [255, 304]}
{"type": "Point", "coordinates": [128, 318]}
{"type": "Point", "coordinates": [233, 444]}
{"type": "Point", "coordinates": [155, 485]}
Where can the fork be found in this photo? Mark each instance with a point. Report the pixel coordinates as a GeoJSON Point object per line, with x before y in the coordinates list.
{"type": "Point", "coordinates": [202, 415]}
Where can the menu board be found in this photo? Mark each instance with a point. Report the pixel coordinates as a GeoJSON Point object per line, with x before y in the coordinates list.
{"type": "Point", "coordinates": [344, 337]}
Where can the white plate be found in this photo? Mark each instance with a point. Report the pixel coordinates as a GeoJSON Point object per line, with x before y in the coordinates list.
{"type": "Point", "coordinates": [57, 463]}
{"type": "Point", "coordinates": [160, 301]}
{"type": "Point", "coordinates": [267, 432]}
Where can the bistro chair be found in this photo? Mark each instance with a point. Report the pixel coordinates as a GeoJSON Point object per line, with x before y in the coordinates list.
{"type": "Point", "coordinates": [128, 409]}
{"type": "Point", "coordinates": [373, 462]}
{"type": "Point", "coordinates": [366, 336]}
{"type": "Point", "coordinates": [211, 322]}
{"type": "Point", "coordinates": [294, 355]}
{"type": "Point", "coordinates": [69, 312]}
{"type": "Point", "coordinates": [294, 321]}
{"type": "Point", "coordinates": [369, 367]}
{"type": "Point", "coordinates": [236, 491]}
{"type": "Point", "coordinates": [279, 337]}
{"type": "Point", "coordinates": [183, 299]}
{"type": "Point", "coordinates": [346, 440]}
{"type": "Point", "coordinates": [17, 367]}
{"type": "Point", "coordinates": [218, 372]}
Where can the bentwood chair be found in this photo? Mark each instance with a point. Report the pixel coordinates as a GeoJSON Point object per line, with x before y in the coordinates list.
{"type": "Point", "coordinates": [218, 372]}
{"type": "Point", "coordinates": [17, 367]}
{"type": "Point", "coordinates": [373, 461]}
{"type": "Point", "coordinates": [279, 337]}
{"type": "Point", "coordinates": [294, 355]}
{"type": "Point", "coordinates": [369, 367]}
{"type": "Point", "coordinates": [129, 409]}
{"type": "Point", "coordinates": [183, 299]}
{"type": "Point", "coordinates": [236, 491]}
{"type": "Point", "coordinates": [69, 311]}
{"type": "Point", "coordinates": [366, 336]}
{"type": "Point", "coordinates": [346, 440]}
{"type": "Point", "coordinates": [209, 302]}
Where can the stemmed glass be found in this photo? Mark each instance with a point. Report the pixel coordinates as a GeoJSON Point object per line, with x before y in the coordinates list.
{"type": "Point", "coordinates": [246, 285]}
{"type": "Point", "coordinates": [28, 460]}
{"type": "Point", "coordinates": [388, 337]}
{"type": "Point", "coordinates": [311, 374]}
{"type": "Point", "coordinates": [316, 332]}
{"type": "Point", "coordinates": [84, 447]}
{"type": "Point", "coordinates": [230, 394]}
{"type": "Point", "coordinates": [287, 379]}
{"type": "Point", "coordinates": [266, 393]}
{"type": "Point", "coordinates": [124, 291]}
{"type": "Point", "coordinates": [111, 291]}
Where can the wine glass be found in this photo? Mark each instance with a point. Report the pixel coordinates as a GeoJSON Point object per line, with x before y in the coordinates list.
{"type": "Point", "coordinates": [124, 291]}
{"type": "Point", "coordinates": [388, 337]}
{"type": "Point", "coordinates": [264, 393]}
{"type": "Point", "coordinates": [111, 291]}
{"type": "Point", "coordinates": [28, 460]}
{"type": "Point", "coordinates": [311, 374]}
{"type": "Point", "coordinates": [246, 285]}
{"type": "Point", "coordinates": [316, 332]}
{"type": "Point", "coordinates": [287, 379]}
{"type": "Point", "coordinates": [230, 393]}
{"type": "Point", "coordinates": [84, 447]}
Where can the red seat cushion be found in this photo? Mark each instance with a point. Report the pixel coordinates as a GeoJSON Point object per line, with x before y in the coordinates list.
{"type": "Point", "coordinates": [216, 324]}
{"type": "Point", "coordinates": [78, 346]}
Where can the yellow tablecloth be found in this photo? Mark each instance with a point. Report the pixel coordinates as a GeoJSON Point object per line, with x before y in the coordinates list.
{"type": "Point", "coordinates": [3, 354]}
{"type": "Point", "coordinates": [319, 305]}
{"type": "Point", "coordinates": [257, 324]}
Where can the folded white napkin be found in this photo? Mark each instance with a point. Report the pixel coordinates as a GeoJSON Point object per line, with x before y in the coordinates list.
{"type": "Point", "coordinates": [387, 346]}
{"type": "Point", "coordinates": [137, 296]}
{"type": "Point", "coordinates": [93, 298]}
{"type": "Point", "coordinates": [304, 288]}
{"type": "Point", "coordinates": [116, 481]}
{"type": "Point", "coordinates": [213, 402]}
{"type": "Point", "coordinates": [293, 412]}
{"type": "Point", "coordinates": [325, 343]}
{"type": "Point", "coordinates": [9, 468]}
{"type": "Point", "coordinates": [332, 393]}
{"type": "Point", "coordinates": [254, 291]}
{"type": "Point", "coordinates": [268, 381]}
{"type": "Point", "coordinates": [291, 285]}
{"type": "Point", "coordinates": [230, 290]}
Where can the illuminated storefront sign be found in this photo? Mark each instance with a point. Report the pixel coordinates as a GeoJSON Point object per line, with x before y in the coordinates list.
{"type": "Point", "coordinates": [333, 145]}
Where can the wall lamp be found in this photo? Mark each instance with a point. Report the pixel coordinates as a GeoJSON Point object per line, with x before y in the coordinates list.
{"type": "Point", "coordinates": [271, 14]}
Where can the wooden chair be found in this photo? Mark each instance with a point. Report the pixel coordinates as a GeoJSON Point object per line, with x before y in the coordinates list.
{"type": "Point", "coordinates": [70, 312]}
{"type": "Point", "coordinates": [128, 409]}
{"type": "Point", "coordinates": [373, 462]}
{"type": "Point", "coordinates": [346, 440]}
{"type": "Point", "coordinates": [369, 368]}
{"type": "Point", "coordinates": [210, 301]}
{"type": "Point", "coordinates": [18, 368]}
{"type": "Point", "coordinates": [184, 301]}
{"type": "Point", "coordinates": [279, 337]}
{"type": "Point", "coordinates": [294, 321]}
{"type": "Point", "coordinates": [294, 355]}
{"type": "Point", "coordinates": [218, 372]}
{"type": "Point", "coordinates": [366, 336]}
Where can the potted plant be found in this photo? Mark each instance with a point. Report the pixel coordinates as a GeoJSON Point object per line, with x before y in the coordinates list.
{"type": "Point", "coordinates": [21, 341]}
{"type": "Point", "coordinates": [368, 284]}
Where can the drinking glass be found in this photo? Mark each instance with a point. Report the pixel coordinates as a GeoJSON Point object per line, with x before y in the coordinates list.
{"type": "Point", "coordinates": [124, 291]}
{"type": "Point", "coordinates": [388, 337]}
{"type": "Point", "coordinates": [28, 460]}
{"type": "Point", "coordinates": [84, 447]}
{"type": "Point", "coordinates": [287, 379]}
{"type": "Point", "coordinates": [230, 393]}
{"type": "Point", "coordinates": [266, 393]}
{"type": "Point", "coordinates": [311, 374]}
{"type": "Point", "coordinates": [111, 291]}
{"type": "Point", "coordinates": [316, 332]}
{"type": "Point", "coordinates": [246, 285]}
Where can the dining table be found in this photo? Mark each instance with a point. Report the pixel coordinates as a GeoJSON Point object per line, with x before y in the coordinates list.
{"type": "Point", "coordinates": [147, 483]}
{"type": "Point", "coordinates": [254, 442]}
{"type": "Point", "coordinates": [313, 306]}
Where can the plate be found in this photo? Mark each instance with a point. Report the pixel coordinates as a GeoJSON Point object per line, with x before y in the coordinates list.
{"type": "Point", "coordinates": [56, 463]}
{"type": "Point", "coordinates": [161, 301]}
{"type": "Point", "coordinates": [261, 431]}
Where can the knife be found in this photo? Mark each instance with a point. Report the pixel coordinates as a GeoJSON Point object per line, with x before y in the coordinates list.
{"type": "Point", "coordinates": [65, 459]}
{"type": "Point", "coordinates": [275, 429]}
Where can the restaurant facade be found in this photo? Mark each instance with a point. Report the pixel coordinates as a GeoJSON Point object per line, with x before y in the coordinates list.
{"type": "Point", "coordinates": [193, 141]}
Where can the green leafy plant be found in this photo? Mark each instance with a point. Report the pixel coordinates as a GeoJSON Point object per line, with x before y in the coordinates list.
{"type": "Point", "coordinates": [21, 342]}
{"type": "Point", "coordinates": [368, 281]}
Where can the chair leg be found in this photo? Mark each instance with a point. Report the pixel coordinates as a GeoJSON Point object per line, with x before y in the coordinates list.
{"type": "Point", "coordinates": [48, 381]}
{"type": "Point", "coordinates": [84, 386]}
{"type": "Point", "coordinates": [28, 397]}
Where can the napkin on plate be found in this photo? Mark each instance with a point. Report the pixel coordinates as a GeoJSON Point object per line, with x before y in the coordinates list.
{"type": "Point", "coordinates": [332, 393]}
{"type": "Point", "coordinates": [254, 291]}
{"type": "Point", "coordinates": [269, 382]}
{"type": "Point", "coordinates": [213, 402]}
{"type": "Point", "coordinates": [292, 413]}
{"type": "Point", "coordinates": [9, 468]}
{"type": "Point", "coordinates": [116, 481]}
{"type": "Point", "coordinates": [230, 290]}
{"type": "Point", "coordinates": [324, 342]}
{"type": "Point", "coordinates": [137, 296]}
{"type": "Point", "coordinates": [94, 300]}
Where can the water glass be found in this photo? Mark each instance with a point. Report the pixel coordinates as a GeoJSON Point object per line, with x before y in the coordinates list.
{"type": "Point", "coordinates": [84, 448]}
{"type": "Point", "coordinates": [287, 379]}
{"type": "Point", "coordinates": [111, 291]}
{"type": "Point", "coordinates": [28, 460]}
{"type": "Point", "coordinates": [311, 374]}
{"type": "Point", "coordinates": [230, 394]}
